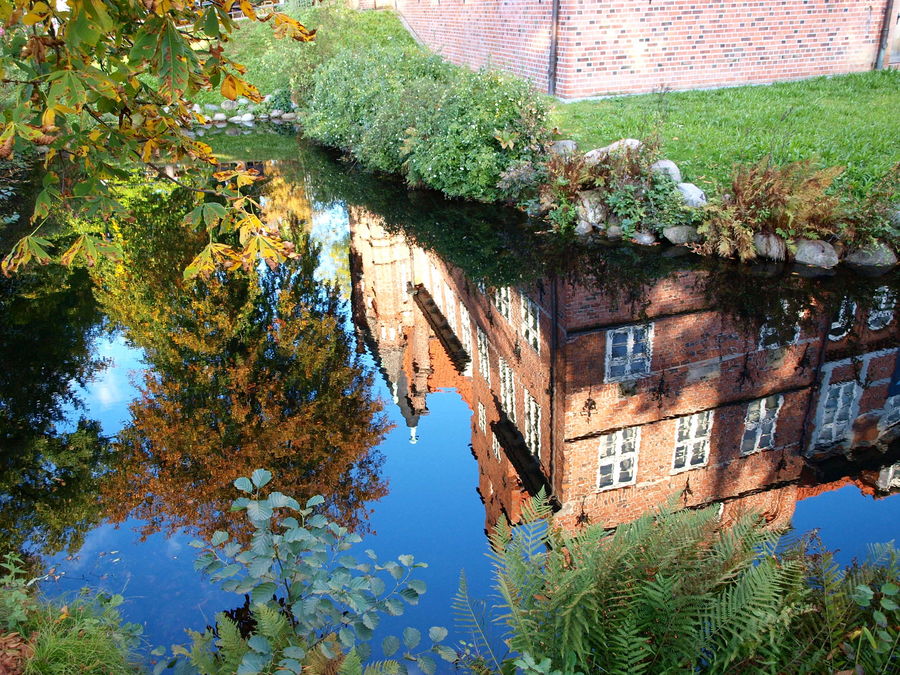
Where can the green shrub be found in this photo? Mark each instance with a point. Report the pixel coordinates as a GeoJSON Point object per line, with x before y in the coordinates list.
{"type": "Point", "coordinates": [85, 635]}
{"type": "Point", "coordinates": [677, 592]}
{"type": "Point", "coordinates": [402, 110]}
{"type": "Point", "coordinates": [314, 605]}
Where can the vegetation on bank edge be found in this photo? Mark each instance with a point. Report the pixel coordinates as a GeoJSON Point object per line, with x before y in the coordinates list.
{"type": "Point", "coordinates": [844, 120]}
{"type": "Point", "coordinates": [674, 591]}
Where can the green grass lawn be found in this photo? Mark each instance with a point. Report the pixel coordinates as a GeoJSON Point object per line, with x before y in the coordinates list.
{"type": "Point", "coordinates": [849, 120]}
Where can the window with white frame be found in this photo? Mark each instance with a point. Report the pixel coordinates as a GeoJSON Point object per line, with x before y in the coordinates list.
{"type": "Point", "coordinates": [843, 321]}
{"type": "Point", "coordinates": [465, 336]}
{"type": "Point", "coordinates": [692, 441]}
{"type": "Point", "coordinates": [882, 312]}
{"type": "Point", "coordinates": [836, 411]}
{"type": "Point", "coordinates": [531, 327]}
{"type": "Point", "coordinates": [495, 448]}
{"type": "Point", "coordinates": [502, 301]}
{"type": "Point", "coordinates": [628, 352]}
{"type": "Point", "coordinates": [759, 424]}
{"type": "Point", "coordinates": [532, 424]}
{"type": "Point", "coordinates": [617, 458]}
{"type": "Point", "coordinates": [484, 363]}
{"type": "Point", "coordinates": [482, 417]}
{"type": "Point", "coordinates": [891, 414]}
{"type": "Point", "coordinates": [507, 390]}
{"type": "Point", "coordinates": [481, 286]}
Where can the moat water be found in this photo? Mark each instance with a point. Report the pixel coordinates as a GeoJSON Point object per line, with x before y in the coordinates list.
{"type": "Point", "coordinates": [425, 365]}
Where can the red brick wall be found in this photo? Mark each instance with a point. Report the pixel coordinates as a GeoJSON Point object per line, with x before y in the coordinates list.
{"type": "Point", "coordinates": [631, 46]}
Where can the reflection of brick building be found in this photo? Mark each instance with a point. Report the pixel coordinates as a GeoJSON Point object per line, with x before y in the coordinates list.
{"type": "Point", "coordinates": [618, 414]}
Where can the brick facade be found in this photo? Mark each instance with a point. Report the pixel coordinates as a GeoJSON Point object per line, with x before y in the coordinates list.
{"type": "Point", "coordinates": [615, 415]}
{"type": "Point", "coordinates": [626, 46]}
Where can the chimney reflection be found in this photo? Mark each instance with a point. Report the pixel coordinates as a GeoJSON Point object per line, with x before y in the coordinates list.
{"type": "Point", "coordinates": [615, 411]}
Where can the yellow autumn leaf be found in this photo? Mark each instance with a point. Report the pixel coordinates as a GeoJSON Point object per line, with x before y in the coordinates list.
{"type": "Point", "coordinates": [39, 12]}
{"type": "Point", "coordinates": [48, 118]}
{"type": "Point", "coordinates": [247, 10]}
{"type": "Point", "coordinates": [147, 152]}
{"type": "Point", "coordinates": [230, 87]}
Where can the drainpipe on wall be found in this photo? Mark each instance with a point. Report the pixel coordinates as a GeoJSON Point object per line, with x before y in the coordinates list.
{"type": "Point", "coordinates": [885, 31]}
{"type": "Point", "coordinates": [554, 38]}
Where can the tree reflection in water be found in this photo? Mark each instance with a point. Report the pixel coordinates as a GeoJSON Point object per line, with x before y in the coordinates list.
{"type": "Point", "coordinates": [246, 370]}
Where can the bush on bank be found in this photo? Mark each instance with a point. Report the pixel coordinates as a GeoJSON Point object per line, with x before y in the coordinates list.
{"type": "Point", "coordinates": [403, 110]}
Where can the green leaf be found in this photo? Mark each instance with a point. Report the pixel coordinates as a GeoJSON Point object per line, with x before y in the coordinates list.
{"type": "Point", "coordinates": [390, 645]}
{"type": "Point", "coordinates": [243, 484]}
{"type": "Point", "coordinates": [447, 653]}
{"type": "Point", "coordinates": [278, 500]}
{"type": "Point", "coordinates": [879, 617]}
{"type": "Point", "coordinates": [427, 664]}
{"type": "Point", "coordinates": [315, 501]}
{"type": "Point", "coordinates": [262, 593]}
{"type": "Point", "coordinates": [411, 637]}
{"type": "Point", "coordinates": [417, 585]}
{"type": "Point", "coordinates": [437, 633]}
{"type": "Point", "coordinates": [253, 663]}
{"type": "Point", "coordinates": [259, 644]}
{"type": "Point", "coordinates": [173, 62]}
{"type": "Point", "coordinates": [890, 588]}
{"type": "Point", "coordinates": [294, 652]}
{"type": "Point", "coordinates": [259, 510]}
{"type": "Point", "coordinates": [261, 477]}
{"type": "Point", "coordinates": [406, 560]}
{"type": "Point", "coordinates": [219, 537]}
{"type": "Point", "coordinates": [888, 604]}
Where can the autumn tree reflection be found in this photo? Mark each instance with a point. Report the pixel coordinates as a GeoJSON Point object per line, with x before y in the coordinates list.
{"type": "Point", "coordinates": [247, 370]}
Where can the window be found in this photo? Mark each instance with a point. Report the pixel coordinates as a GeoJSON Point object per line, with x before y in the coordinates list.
{"type": "Point", "coordinates": [450, 311]}
{"type": "Point", "coordinates": [628, 352]}
{"type": "Point", "coordinates": [759, 424]}
{"type": "Point", "coordinates": [484, 364]}
{"type": "Point", "coordinates": [465, 336]}
{"type": "Point", "coordinates": [692, 441]}
{"type": "Point", "coordinates": [835, 424]}
{"type": "Point", "coordinates": [502, 301]}
{"type": "Point", "coordinates": [482, 417]}
{"type": "Point", "coordinates": [495, 448]}
{"type": "Point", "coordinates": [882, 312]}
{"type": "Point", "coordinates": [532, 425]}
{"type": "Point", "coordinates": [891, 414]}
{"type": "Point", "coordinates": [531, 327]}
{"type": "Point", "coordinates": [507, 390]}
{"type": "Point", "coordinates": [617, 458]}
{"type": "Point", "coordinates": [843, 321]}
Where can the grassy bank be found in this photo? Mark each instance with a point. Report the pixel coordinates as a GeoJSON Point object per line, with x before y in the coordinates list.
{"type": "Point", "coordinates": [849, 121]}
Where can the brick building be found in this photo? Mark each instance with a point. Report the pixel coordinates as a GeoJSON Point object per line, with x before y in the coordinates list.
{"type": "Point", "coordinates": [576, 48]}
{"type": "Point", "coordinates": [615, 414]}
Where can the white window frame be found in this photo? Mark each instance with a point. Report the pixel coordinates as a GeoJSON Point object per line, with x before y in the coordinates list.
{"type": "Point", "coordinates": [502, 297]}
{"type": "Point", "coordinates": [484, 359]}
{"type": "Point", "coordinates": [627, 360]}
{"type": "Point", "coordinates": [482, 417]}
{"type": "Point", "coordinates": [532, 424]}
{"type": "Point", "coordinates": [496, 449]}
{"type": "Point", "coordinates": [882, 313]}
{"type": "Point", "coordinates": [619, 441]}
{"type": "Point", "coordinates": [694, 444]}
{"type": "Point", "coordinates": [755, 429]}
{"type": "Point", "coordinates": [827, 432]}
{"type": "Point", "coordinates": [843, 321]}
{"type": "Point", "coordinates": [507, 389]}
{"type": "Point", "coordinates": [465, 336]}
{"type": "Point", "coordinates": [450, 312]}
{"type": "Point", "coordinates": [531, 322]}
{"type": "Point", "coordinates": [891, 412]}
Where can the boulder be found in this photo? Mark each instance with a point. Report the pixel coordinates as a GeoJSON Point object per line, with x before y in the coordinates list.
{"type": "Point", "coordinates": [232, 131]}
{"type": "Point", "coordinates": [644, 238]}
{"type": "Point", "coordinates": [590, 208]}
{"type": "Point", "coordinates": [234, 119]}
{"type": "Point", "coordinates": [596, 156]}
{"type": "Point", "coordinates": [583, 229]}
{"type": "Point", "coordinates": [877, 255]}
{"type": "Point", "coordinates": [243, 101]}
{"type": "Point", "coordinates": [219, 117]}
{"type": "Point", "coordinates": [693, 196]}
{"type": "Point", "coordinates": [247, 117]}
{"type": "Point", "coordinates": [262, 116]}
{"type": "Point", "coordinates": [289, 116]}
{"type": "Point", "coordinates": [668, 167]}
{"type": "Point", "coordinates": [228, 105]}
{"type": "Point", "coordinates": [614, 232]}
{"type": "Point", "coordinates": [201, 132]}
{"type": "Point", "coordinates": [564, 148]}
{"type": "Point", "coordinates": [815, 253]}
{"type": "Point", "coordinates": [196, 109]}
{"type": "Point", "coordinates": [682, 234]}
{"type": "Point", "coordinates": [276, 113]}
{"type": "Point", "coordinates": [769, 246]}
{"type": "Point", "coordinates": [895, 216]}
{"type": "Point", "coordinates": [211, 106]}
